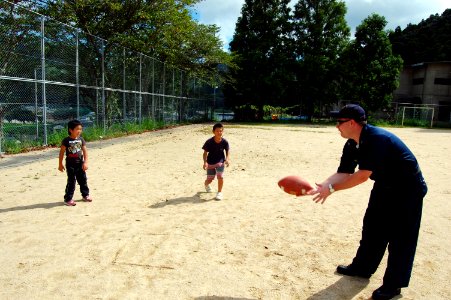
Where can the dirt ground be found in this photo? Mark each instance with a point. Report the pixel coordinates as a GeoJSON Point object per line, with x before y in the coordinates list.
{"type": "Point", "coordinates": [152, 232]}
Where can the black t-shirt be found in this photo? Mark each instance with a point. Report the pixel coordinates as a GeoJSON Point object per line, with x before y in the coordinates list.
{"type": "Point", "coordinates": [215, 150]}
{"type": "Point", "coordinates": [74, 153]}
{"type": "Point", "coordinates": [382, 153]}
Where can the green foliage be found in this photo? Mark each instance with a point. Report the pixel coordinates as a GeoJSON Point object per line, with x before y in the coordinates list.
{"type": "Point", "coordinates": [430, 40]}
{"type": "Point", "coordinates": [320, 65]}
{"type": "Point", "coordinates": [15, 146]}
{"type": "Point", "coordinates": [163, 29]}
{"type": "Point", "coordinates": [285, 59]}
{"type": "Point", "coordinates": [416, 123]}
{"type": "Point", "coordinates": [55, 138]}
{"type": "Point", "coordinates": [261, 50]}
{"type": "Point", "coordinates": [370, 69]}
{"type": "Point", "coordinates": [246, 113]}
{"type": "Point", "coordinates": [321, 33]}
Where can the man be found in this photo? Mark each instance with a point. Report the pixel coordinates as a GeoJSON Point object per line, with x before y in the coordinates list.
{"type": "Point", "coordinates": [394, 210]}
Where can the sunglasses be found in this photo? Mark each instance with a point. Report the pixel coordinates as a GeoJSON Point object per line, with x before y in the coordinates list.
{"type": "Point", "coordinates": [339, 122]}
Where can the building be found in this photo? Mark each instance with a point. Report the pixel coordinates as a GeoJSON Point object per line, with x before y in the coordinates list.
{"type": "Point", "coordinates": [427, 83]}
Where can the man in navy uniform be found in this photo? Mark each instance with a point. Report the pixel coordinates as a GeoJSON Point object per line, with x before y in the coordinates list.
{"type": "Point", "coordinates": [394, 210]}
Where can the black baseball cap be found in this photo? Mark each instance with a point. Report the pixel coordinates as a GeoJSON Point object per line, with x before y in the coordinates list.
{"type": "Point", "coordinates": [350, 111]}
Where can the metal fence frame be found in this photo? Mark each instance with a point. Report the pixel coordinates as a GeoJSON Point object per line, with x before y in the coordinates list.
{"type": "Point", "coordinates": [73, 71]}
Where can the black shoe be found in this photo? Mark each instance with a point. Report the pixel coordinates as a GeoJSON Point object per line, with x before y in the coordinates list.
{"type": "Point", "coordinates": [352, 271]}
{"type": "Point", "coordinates": [385, 293]}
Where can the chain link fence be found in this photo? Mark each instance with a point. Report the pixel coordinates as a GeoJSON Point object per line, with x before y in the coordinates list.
{"type": "Point", "coordinates": [51, 72]}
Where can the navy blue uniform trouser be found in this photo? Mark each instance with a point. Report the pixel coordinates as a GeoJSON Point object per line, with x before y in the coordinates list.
{"type": "Point", "coordinates": [75, 173]}
{"type": "Point", "coordinates": [392, 218]}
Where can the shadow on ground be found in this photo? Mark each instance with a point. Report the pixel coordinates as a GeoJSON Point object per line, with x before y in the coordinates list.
{"type": "Point", "coordinates": [195, 199]}
{"type": "Point", "coordinates": [33, 206]}
{"type": "Point", "coordinates": [345, 288]}
{"type": "Point", "coordinates": [221, 298]}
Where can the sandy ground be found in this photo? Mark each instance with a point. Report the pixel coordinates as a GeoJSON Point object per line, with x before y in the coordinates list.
{"type": "Point", "coordinates": [152, 232]}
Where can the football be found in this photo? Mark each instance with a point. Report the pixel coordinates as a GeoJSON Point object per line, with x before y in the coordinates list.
{"type": "Point", "coordinates": [295, 185]}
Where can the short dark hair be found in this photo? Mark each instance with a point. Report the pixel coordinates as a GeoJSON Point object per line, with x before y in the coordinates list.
{"type": "Point", "coordinates": [72, 124]}
{"type": "Point", "coordinates": [217, 125]}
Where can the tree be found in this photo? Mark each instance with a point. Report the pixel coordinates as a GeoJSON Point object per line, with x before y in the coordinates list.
{"type": "Point", "coordinates": [321, 34]}
{"type": "Point", "coordinates": [18, 32]}
{"type": "Point", "coordinates": [371, 70]}
{"type": "Point", "coordinates": [430, 40]}
{"type": "Point", "coordinates": [163, 29]}
{"type": "Point", "coordinates": [261, 51]}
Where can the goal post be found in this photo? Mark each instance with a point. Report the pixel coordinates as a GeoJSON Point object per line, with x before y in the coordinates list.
{"type": "Point", "coordinates": [418, 115]}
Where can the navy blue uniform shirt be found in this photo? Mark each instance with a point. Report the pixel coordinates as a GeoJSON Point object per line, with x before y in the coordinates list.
{"type": "Point", "coordinates": [382, 153]}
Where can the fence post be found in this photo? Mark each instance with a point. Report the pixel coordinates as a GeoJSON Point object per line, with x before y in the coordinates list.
{"type": "Point", "coordinates": [140, 88]}
{"type": "Point", "coordinates": [124, 111]}
{"type": "Point", "coordinates": [181, 97]}
{"type": "Point", "coordinates": [77, 82]}
{"type": "Point", "coordinates": [153, 89]}
{"type": "Point", "coordinates": [1, 130]}
{"type": "Point", "coordinates": [36, 103]}
{"type": "Point", "coordinates": [173, 94]}
{"type": "Point", "coordinates": [44, 99]}
{"type": "Point", "coordinates": [103, 88]}
{"type": "Point", "coordinates": [164, 90]}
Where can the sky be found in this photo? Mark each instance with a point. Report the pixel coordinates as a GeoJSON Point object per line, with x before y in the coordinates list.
{"type": "Point", "coordinates": [225, 13]}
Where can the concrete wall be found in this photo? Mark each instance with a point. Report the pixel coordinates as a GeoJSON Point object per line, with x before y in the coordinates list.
{"type": "Point", "coordinates": [418, 84]}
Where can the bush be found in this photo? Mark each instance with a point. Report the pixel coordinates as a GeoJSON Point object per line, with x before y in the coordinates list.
{"type": "Point", "coordinates": [246, 113]}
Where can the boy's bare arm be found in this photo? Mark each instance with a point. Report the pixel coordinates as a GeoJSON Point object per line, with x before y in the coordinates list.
{"type": "Point", "coordinates": [85, 157]}
{"type": "Point", "coordinates": [204, 156]}
{"type": "Point", "coordinates": [227, 161]}
{"type": "Point", "coordinates": [60, 158]}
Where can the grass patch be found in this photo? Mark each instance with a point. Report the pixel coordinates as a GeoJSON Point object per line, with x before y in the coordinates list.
{"type": "Point", "coordinates": [21, 137]}
{"type": "Point", "coordinates": [19, 141]}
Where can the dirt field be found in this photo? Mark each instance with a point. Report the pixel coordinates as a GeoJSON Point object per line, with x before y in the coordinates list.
{"type": "Point", "coordinates": [153, 233]}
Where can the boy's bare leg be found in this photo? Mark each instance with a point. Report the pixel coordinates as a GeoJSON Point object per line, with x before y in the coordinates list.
{"type": "Point", "coordinates": [220, 184]}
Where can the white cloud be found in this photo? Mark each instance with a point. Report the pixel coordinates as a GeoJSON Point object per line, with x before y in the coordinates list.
{"type": "Point", "coordinates": [225, 13]}
{"type": "Point", "coordinates": [396, 12]}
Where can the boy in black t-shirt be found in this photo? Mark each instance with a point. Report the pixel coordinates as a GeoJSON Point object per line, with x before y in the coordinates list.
{"type": "Point", "coordinates": [215, 160]}
{"type": "Point", "coordinates": [76, 163]}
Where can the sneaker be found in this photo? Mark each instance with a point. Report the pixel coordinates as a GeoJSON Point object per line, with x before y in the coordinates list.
{"type": "Point", "coordinates": [87, 198]}
{"type": "Point", "coordinates": [208, 188]}
{"type": "Point", "coordinates": [219, 196]}
{"type": "Point", "coordinates": [70, 203]}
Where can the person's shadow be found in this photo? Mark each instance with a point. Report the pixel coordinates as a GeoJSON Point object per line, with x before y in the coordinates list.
{"type": "Point", "coordinates": [345, 288]}
{"type": "Point", "coordinates": [220, 298]}
{"type": "Point", "coordinates": [197, 198]}
{"type": "Point", "coordinates": [33, 206]}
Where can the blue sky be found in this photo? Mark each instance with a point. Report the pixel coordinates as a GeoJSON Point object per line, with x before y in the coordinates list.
{"type": "Point", "coordinates": [225, 13]}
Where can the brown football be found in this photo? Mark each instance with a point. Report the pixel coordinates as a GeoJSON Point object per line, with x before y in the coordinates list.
{"type": "Point", "coordinates": [295, 185]}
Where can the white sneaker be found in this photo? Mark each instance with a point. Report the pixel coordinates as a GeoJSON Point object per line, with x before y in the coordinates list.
{"type": "Point", "coordinates": [208, 188]}
{"type": "Point", "coordinates": [219, 196]}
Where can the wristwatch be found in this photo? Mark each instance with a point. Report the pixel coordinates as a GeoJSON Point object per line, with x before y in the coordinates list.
{"type": "Point", "coordinates": [331, 188]}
